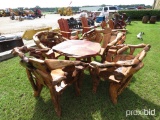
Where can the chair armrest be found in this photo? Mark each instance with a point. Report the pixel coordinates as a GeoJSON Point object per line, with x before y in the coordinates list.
{"type": "Point", "coordinates": [119, 35]}
{"type": "Point", "coordinates": [72, 32]}
{"type": "Point", "coordinates": [57, 80]}
{"type": "Point", "coordinates": [122, 30]}
{"type": "Point", "coordinates": [89, 27]}
{"type": "Point", "coordinates": [65, 32]}
{"type": "Point", "coordinates": [102, 65]}
{"type": "Point", "coordinates": [125, 63]}
{"type": "Point", "coordinates": [143, 52]}
{"type": "Point", "coordinates": [20, 52]}
{"type": "Point", "coordinates": [133, 47]}
{"type": "Point", "coordinates": [123, 49]}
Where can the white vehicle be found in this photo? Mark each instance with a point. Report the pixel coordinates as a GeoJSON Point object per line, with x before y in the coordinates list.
{"type": "Point", "coordinates": [106, 11]}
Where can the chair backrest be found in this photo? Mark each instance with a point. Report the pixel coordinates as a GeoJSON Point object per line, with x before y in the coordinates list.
{"type": "Point", "coordinates": [104, 24]}
{"type": "Point", "coordinates": [47, 39]}
{"type": "Point", "coordinates": [84, 22]}
{"type": "Point", "coordinates": [85, 25]}
{"type": "Point", "coordinates": [36, 69]}
{"type": "Point", "coordinates": [106, 35]}
{"type": "Point", "coordinates": [66, 26]}
{"type": "Point", "coordinates": [111, 23]}
{"type": "Point", "coordinates": [107, 39]}
{"type": "Point", "coordinates": [92, 35]}
{"type": "Point", "coordinates": [63, 25]}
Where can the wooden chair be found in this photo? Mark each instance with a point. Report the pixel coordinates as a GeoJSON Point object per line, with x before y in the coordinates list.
{"type": "Point", "coordinates": [108, 49]}
{"type": "Point", "coordinates": [122, 20]}
{"type": "Point", "coordinates": [96, 36]}
{"type": "Point", "coordinates": [110, 34]}
{"type": "Point", "coordinates": [112, 25]}
{"type": "Point", "coordinates": [118, 22]}
{"type": "Point", "coordinates": [48, 38]}
{"type": "Point", "coordinates": [85, 25]}
{"type": "Point", "coordinates": [45, 40]}
{"type": "Point", "coordinates": [106, 40]}
{"type": "Point", "coordinates": [55, 74]}
{"type": "Point", "coordinates": [65, 31]}
{"type": "Point", "coordinates": [92, 35]}
{"type": "Point", "coordinates": [119, 71]}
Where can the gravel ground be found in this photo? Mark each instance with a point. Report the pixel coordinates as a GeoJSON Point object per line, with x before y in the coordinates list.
{"type": "Point", "coordinates": [8, 26]}
{"type": "Point", "coordinates": [14, 27]}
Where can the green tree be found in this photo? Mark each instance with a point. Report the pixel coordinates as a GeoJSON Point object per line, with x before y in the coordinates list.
{"type": "Point", "coordinates": [37, 6]}
{"type": "Point", "coordinates": [103, 5]}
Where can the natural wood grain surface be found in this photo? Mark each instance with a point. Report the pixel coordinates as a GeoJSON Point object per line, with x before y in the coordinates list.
{"type": "Point", "coordinates": [78, 48]}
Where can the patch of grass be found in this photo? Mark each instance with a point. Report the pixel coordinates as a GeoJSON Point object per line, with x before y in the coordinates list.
{"type": "Point", "coordinates": [17, 101]}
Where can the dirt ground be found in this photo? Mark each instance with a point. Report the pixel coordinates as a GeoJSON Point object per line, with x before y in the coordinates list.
{"type": "Point", "coordinates": [8, 26]}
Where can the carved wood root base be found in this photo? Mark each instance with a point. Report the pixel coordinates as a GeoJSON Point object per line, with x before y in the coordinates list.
{"type": "Point", "coordinates": [39, 87]}
{"type": "Point", "coordinates": [95, 79]}
{"type": "Point", "coordinates": [116, 89]}
{"type": "Point", "coordinates": [77, 89]}
{"type": "Point", "coordinates": [37, 93]}
{"type": "Point", "coordinates": [113, 92]}
{"type": "Point", "coordinates": [95, 85]}
{"type": "Point", "coordinates": [58, 111]}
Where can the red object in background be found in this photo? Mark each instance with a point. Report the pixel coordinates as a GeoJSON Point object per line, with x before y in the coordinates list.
{"type": "Point", "coordinates": [140, 7]}
{"type": "Point", "coordinates": [39, 11]}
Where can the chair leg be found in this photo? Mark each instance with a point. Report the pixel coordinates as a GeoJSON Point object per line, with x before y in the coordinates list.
{"type": "Point", "coordinates": [55, 96]}
{"type": "Point", "coordinates": [37, 87]}
{"type": "Point", "coordinates": [80, 78]}
{"type": "Point", "coordinates": [66, 58]}
{"type": "Point", "coordinates": [113, 91]}
{"type": "Point", "coordinates": [77, 88]}
{"type": "Point", "coordinates": [124, 84]}
{"type": "Point", "coordinates": [116, 89]}
{"type": "Point", "coordinates": [95, 79]}
{"type": "Point", "coordinates": [109, 57]}
{"type": "Point", "coordinates": [95, 85]}
{"type": "Point", "coordinates": [78, 81]}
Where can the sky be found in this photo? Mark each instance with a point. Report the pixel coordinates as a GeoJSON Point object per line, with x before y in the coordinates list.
{"type": "Point", "coordinates": [65, 3]}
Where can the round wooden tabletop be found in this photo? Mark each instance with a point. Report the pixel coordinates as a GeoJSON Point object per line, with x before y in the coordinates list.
{"type": "Point", "coordinates": [78, 48]}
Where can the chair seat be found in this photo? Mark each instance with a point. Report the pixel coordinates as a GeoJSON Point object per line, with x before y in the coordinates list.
{"type": "Point", "coordinates": [74, 37]}
{"type": "Point", "coordinates": [57, 76]}
{"type": "Point", "coordinates": [123, 57]}
{"type": "Point", "coordinates": [118, 74]}
{"type": "Point", "coordinates": [113, 37]}
{"type": "Point", "coordinates": [60, 87]}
